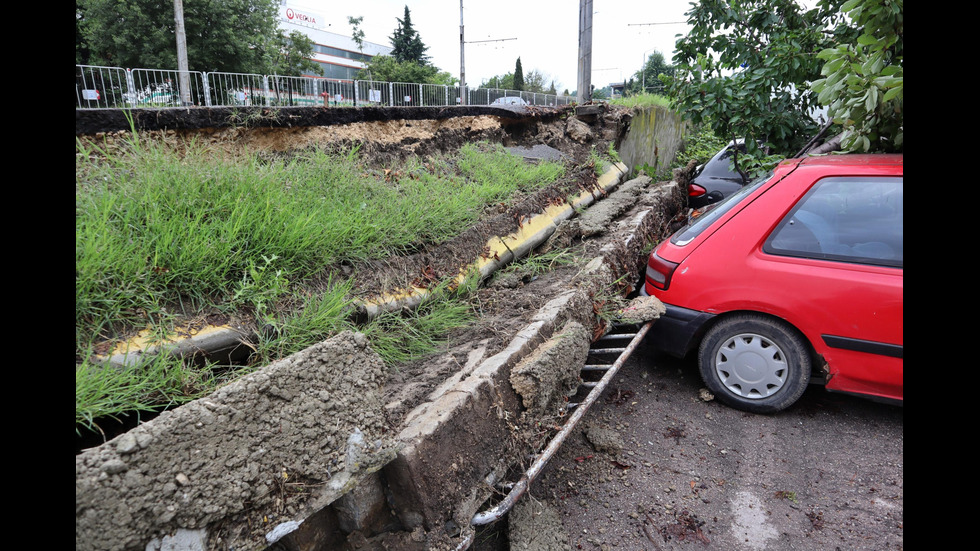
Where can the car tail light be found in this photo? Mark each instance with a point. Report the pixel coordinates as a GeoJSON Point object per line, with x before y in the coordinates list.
{"type": "Point", "coordinates": [694, 190]}
{"type": "Point", "coordinates": [659, 272]}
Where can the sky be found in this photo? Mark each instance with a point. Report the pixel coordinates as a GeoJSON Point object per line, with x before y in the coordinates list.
{"type": "Point", "coordinates": [544, 33]}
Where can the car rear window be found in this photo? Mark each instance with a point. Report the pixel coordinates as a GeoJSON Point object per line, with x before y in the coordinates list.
{"type": "Point", "coordinates": [857, 220]}
{"type": "Point", "coordinates": [697, 225]}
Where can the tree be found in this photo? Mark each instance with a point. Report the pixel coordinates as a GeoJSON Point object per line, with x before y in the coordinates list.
{"type": "Point", "coordinates": [747, 66]}
{"type": "Point", "coordinates": [387, 68]}
{"type": "Point", "coordinates": [291, 55]}
{"type": "Point", "coordinates": [503, 82]}
{"type": "Point", "coordinates": [864, 77]}
{"type": "Point", "coordinates": [81, 45]}
{"type": "Point", "coordinates": [647, 80]}
{"type": "Point", "coordinates": [406, 42]}
{"type": "Point", "coordinates": [357, 33]}
{"type": "Point", "coordinates": [236, 36]}
{"type": "Point", "coordinates": [518, 76]}
{"type": "Point", "coordinates": [407, 62]}
{"type": "Point", "coordinates": [534, 81]}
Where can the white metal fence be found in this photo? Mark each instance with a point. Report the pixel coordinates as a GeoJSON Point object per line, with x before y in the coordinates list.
{"type": "Point", "coordinates": [115, 87]}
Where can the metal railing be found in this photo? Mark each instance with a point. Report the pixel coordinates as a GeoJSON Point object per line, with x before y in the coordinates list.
{"type": "Point", "coordinates": [99, 87]}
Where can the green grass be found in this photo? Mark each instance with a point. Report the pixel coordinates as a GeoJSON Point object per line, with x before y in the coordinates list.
{"type": "Point", "coordinates": [156, 382]}
{"type": "Point", "coordinates": [539, 264]}
{"type": "Point", "coordinates": [161, 235]}
{"type": "Point", "coordinates": [642, 100]}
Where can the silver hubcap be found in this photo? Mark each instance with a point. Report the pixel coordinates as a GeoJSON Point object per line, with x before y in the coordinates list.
{"type": "Point", "coordinates": [751, 366]}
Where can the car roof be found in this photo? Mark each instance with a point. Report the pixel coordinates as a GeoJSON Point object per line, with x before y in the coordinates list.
{"type": "Point", "coordinates": [878, 163]}
{"type": "Point", "coordinates": [851, 159]}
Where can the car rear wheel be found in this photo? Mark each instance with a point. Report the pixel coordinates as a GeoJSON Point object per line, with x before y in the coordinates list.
{"type": "Point", "coordinates": [754, 363]}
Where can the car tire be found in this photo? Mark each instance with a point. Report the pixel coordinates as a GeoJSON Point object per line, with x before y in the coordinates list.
{"type": "Point", "coordinates": [754, 363]}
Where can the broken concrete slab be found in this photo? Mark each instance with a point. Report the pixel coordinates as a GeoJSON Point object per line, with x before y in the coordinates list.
{"type": "Point", "coordinates": [548, 376]}
{"type": "Point", "coordinates": [479, 413]}
{"type": "Point", "coordinates": [538, 152]}
{"type": "Point", "coordinates": [642, 309]}
{"type": "Point", "coordinates": [311, 422]}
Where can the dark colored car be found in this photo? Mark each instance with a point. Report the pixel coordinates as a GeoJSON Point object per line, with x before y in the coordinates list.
{"type": "Point", "coordinates": [715, 179]}
{"type": "Point", "coordinates": [796, 278]}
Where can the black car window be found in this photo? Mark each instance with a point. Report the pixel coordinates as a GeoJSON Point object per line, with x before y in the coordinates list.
{"type": "Point", "coordinates": [845, 219]}
{"type": "Point", "coordinates": [697, 225]}
{"type": "Point", "coordinates": [720, 166]}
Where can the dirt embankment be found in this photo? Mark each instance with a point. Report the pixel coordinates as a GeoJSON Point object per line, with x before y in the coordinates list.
{"type": "Point", "coordinates": [292, 471]}
{"type": "Point", "coordinates": [383, 134]}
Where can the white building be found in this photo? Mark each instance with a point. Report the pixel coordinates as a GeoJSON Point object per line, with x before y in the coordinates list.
{"type": "Point", "coordinates": [337, 54]}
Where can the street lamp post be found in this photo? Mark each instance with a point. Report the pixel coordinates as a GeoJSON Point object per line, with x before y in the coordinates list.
{"type": "Point", "coordinates": [643, 70]}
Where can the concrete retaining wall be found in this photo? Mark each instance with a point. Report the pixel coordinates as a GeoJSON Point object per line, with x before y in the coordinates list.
{"type": "Point", "coordinates": [655, 134]}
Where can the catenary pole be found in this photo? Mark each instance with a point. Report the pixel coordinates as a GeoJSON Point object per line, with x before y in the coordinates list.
{"type": "Point", "coordinates": [462, 66]}
{"type": "Point", "coordinates": [183, 76]}
{"type": "Point", "coordinates": [584, 51]}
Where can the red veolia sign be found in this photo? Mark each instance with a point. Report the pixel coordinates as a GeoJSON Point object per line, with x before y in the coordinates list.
{"type": "Point", "coordinates": [300, 17]}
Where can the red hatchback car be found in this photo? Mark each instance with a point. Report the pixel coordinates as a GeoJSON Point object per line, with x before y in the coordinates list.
{"type": "Point", "coordinates": [795, 278]}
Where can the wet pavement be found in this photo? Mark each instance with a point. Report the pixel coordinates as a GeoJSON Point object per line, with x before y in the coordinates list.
{"type": "Point", "coordinates": [690, 473]}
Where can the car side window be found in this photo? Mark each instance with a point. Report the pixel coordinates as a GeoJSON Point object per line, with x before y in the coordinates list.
{"type": "Point", "coordinates": [845, 219]}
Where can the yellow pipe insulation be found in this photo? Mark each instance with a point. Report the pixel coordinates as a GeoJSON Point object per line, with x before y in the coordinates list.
{"type": "Point", "coordinates": [502, 250]}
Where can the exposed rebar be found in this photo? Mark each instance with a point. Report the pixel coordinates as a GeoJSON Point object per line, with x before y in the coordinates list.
{"type": "Point", "coordinates": [521, 486]}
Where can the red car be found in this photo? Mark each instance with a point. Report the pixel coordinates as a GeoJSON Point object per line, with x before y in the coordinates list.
{"type": "Point", "coordinates": [795, 278]}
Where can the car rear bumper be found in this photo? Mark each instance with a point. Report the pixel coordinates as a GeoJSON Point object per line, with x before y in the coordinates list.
{"type": "Point", "coordinates": [678, 330]}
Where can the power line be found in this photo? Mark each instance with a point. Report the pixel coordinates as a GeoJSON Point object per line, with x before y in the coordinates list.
{"type": "Point", "coordinates": [666, 23]}
{"type": "Point", "coordinates": [493, 40]}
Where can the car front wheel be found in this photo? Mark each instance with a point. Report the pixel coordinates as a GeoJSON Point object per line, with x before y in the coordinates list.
{"type": "Point", "coordinates": [754, 363]}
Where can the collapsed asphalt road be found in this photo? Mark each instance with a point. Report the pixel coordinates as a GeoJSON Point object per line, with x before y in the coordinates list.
{"type": "Point", "coordinates": [655, 466]}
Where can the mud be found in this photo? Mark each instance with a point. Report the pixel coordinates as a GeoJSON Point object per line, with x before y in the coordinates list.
{"type": "Point", "coordinates": [536, 526]}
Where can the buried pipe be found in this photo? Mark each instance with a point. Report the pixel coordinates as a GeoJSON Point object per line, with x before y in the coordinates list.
{"type": "Point", "coordinates": [502, 249]}
{"type": "Point", "coordinates": [497, 512]}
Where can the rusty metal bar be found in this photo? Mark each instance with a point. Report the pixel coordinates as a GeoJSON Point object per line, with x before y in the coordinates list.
{"type": "Point", "coordinates": [497, 512]}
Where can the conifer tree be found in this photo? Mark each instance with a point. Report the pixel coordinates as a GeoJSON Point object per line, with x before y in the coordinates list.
{"type": "Point", "coordinates": [407, 43]}
{"type": "Point", "coordinates": [518, 76]}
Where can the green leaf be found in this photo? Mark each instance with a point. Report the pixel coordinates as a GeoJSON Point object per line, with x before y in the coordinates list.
{"type": "Point", "coordinates": [892, 93]}
{"type": "Point", "coordinates": [867, 40]}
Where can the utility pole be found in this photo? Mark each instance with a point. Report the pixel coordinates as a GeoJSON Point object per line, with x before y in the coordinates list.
{"type": "Point", "coordinates": [462, 66]}
{"type": "Point", "coordinates": [183, 76]}
{"type": "Point", "coordinates": [584, 51]}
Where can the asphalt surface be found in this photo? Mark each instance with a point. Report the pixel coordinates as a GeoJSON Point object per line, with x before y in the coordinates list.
{"type": "Point", "coordinates": [688, 473]}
